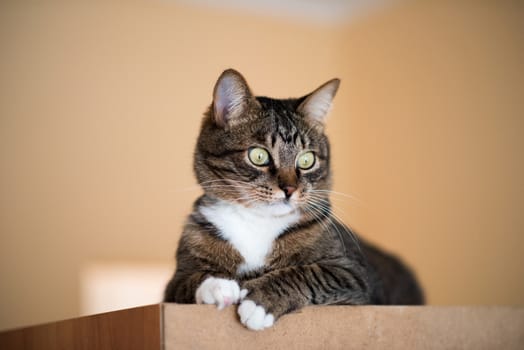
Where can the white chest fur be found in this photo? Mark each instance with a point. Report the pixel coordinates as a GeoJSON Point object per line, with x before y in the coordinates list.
{"type": "Point", "coordinates": [251, 231]}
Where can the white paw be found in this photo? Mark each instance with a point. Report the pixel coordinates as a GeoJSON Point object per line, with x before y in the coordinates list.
{"type": "Point", "coordinates": [218, 291]}
{"type": "Point", "coordinates": [254, 317]}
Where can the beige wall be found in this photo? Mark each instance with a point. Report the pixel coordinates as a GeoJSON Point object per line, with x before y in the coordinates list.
{"type": "Point", "coordinates": [433, 142]}
{"type": "Point", "coordinates": [100, 105]}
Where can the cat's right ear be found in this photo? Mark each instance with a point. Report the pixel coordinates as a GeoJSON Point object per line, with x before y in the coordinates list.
{"type": "Point", "coordinates": [317, 104]}
{"type": "Point", "coordinates": [231, 97]}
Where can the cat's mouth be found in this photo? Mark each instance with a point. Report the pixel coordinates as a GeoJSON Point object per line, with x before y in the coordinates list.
{"type": "Point", "coordinates": [277, 204]}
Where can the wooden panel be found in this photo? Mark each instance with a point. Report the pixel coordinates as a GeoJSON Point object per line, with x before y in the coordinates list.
{"type": "Point", "coordinates": [131, 329]}
{"type": "Point", "coordinates": [331, 327]}
{"type": "Point", "coordinates": [346, 327]}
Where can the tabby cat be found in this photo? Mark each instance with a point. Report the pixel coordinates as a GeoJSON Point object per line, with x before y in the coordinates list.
{"type": "Point", "coordinates": [263, 235]}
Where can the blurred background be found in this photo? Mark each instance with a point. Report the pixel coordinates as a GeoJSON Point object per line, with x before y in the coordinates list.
{"type": "Point", "coordinates": [100, 106]}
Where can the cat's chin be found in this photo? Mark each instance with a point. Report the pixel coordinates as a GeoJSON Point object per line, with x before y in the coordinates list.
{"type": "Point", "coordinates": [279, 208]}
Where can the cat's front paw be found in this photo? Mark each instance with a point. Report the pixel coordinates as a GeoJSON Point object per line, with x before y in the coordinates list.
{"type": "Point", "coordinates": [218, 291]}
{"type": "Point", "coordinates": [254, 316]}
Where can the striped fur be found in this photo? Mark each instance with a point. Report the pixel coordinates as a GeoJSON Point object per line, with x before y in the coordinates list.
{"type": "Point", "coordinates": [269, 229]}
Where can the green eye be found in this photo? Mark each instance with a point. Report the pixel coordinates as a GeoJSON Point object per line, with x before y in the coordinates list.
{"type": "Point", "coordinates": [258, 156]}
{"type": "Point", "coordinates": [306, 160]}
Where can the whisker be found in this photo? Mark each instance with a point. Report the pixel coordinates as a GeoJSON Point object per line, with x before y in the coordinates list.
{"type": "Point", "coordinates": [325, 205]}
{"type": "Point", "coordinates": [336, 193]}
{"type": "Point", "coordinates": [322, 199]}
{"type": "Point", "coordinates": [317, 218]}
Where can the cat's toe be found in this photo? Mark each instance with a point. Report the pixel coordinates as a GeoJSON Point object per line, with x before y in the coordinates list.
{"type": "Point", "coordinates": [226, 292]}
{"type": "Point", "coordinates": [245, 310]}
{"type": "Point", "coordinates": [219, 291]}
{"type": "Point", "coordinates": [254, 317]}
{"type": "Point", "coordinates": [243, 293]}
{"type": "Point", "coordinates": [269, 319]}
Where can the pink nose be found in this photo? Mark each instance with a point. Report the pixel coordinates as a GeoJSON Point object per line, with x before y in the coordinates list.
{"type": "Point", "coordinates": [288, 190]}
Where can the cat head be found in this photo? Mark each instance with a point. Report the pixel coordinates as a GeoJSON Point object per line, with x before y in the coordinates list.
{"type": "Point", "coordinates": [263, 152]}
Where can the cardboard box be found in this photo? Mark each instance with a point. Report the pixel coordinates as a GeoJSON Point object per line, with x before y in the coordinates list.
{"type": "Point", "coordinates": [172, 326]}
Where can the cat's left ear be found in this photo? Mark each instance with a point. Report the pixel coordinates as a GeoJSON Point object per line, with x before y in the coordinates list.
{"type": "Point", "coordinates": [317, 104]}
{"type": "Point", "coordinates": [231, 98]}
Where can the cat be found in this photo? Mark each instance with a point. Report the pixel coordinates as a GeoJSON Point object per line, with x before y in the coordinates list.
{"type": "Point", "coordinates": [263, 235]}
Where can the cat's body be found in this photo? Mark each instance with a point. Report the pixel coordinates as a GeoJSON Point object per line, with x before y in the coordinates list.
{"type": "Point", "coordinates": [263, 235]}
